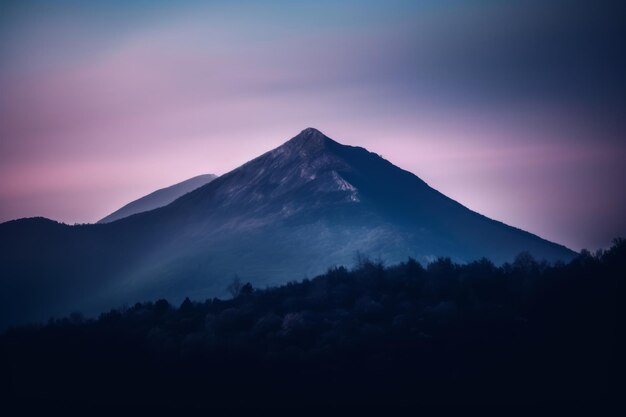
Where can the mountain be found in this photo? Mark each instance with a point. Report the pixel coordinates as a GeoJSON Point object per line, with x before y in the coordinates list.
{"type": "Point", "coordinates": [288, 214]}
{"type": "Point", "coordinates": [159, 198]}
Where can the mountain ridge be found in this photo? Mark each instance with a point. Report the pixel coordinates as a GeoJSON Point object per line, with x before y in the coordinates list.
{"type": "Point", "coordinates": [158, 198]}
{"type": "Point", "coordinates": [292, 212]}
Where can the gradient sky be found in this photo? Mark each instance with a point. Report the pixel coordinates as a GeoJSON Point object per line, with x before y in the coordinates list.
{"type": "Point", "coordinates": [515, 109]}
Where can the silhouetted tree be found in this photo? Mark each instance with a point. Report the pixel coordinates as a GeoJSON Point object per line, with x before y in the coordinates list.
{"type": "Point", "coordinates": [525, 262]}
{"type": "Point", "coordinates": [161, 306]}
{"type": "Point", "coordinates": [186, 305]}
{"type": "Point", "coordinates": [234, 288]}
{"type": "Point", "coordinates": [247, 289]}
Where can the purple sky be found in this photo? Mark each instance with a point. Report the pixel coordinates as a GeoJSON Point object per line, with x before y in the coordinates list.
{"type": "Point", "coordinates": [516, 111]}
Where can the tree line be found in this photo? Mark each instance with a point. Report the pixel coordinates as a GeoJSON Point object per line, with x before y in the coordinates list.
{"type": "Point", "coordinates": [523, 332]}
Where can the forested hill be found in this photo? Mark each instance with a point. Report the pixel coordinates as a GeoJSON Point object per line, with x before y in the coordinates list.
{"type": "Point", "coordinates": [523, 332]}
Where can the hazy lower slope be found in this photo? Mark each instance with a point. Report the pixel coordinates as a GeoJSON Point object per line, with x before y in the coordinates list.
{"type": "Point", "coordinates": [290, 213]}
{"type": "Point", "coordinates": [159, 198]}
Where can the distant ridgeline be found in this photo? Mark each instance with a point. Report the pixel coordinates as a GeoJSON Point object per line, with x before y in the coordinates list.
{"type": "Point", "coordinates": [522, 332]}
{"type": "Point", "coordinates": [159, 198]}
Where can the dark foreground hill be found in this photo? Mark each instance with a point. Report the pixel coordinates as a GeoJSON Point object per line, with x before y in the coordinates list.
{"type": "Point", "coordinates": [525, 332]}
{"type": "Point", "coordinates": [285, 215]}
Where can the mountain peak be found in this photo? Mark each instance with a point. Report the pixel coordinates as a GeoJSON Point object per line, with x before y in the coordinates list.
{"type": "Point", "coordinates": [310, 138]}
{"type": "Point", "coordinates": [311, 132]}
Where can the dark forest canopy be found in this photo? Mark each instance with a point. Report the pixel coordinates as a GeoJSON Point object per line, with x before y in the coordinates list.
{"type": "Point", "coordinates": [444, 333]}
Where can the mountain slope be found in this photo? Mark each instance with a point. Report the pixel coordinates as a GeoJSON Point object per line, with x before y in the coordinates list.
{"type": "Point", "coordinates": [292, 212]}
{"type": "Point", "coordinates": [159, 198]}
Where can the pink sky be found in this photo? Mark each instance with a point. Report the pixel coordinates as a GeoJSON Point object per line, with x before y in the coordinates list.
{"type": "Point", "coordinates": [83, 131]}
